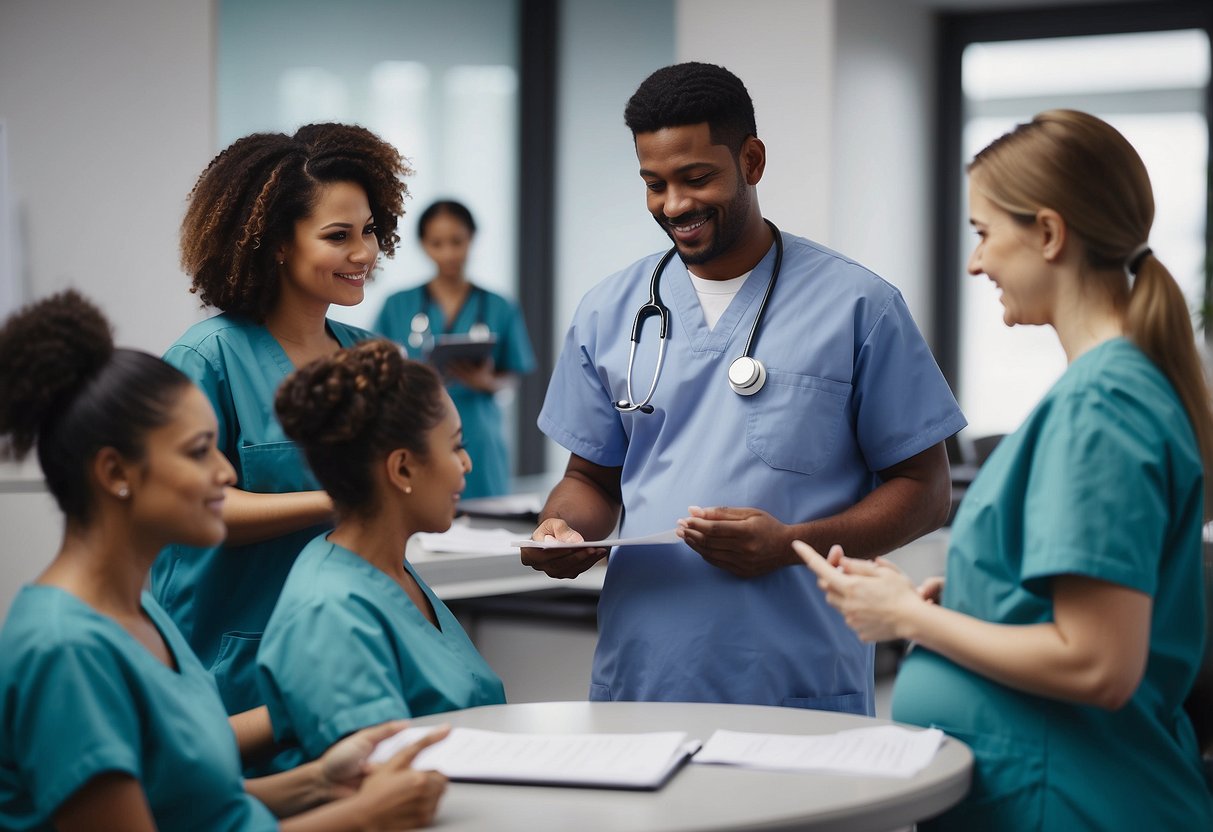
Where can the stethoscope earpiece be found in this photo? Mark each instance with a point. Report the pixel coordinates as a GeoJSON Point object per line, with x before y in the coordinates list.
{"type": "Point", "coordinates": [747, 375]}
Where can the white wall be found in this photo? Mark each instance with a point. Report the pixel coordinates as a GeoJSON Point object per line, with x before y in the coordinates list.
{"type": "Point", "coordinates": [109, 107]}
{"type": "Point", "coordinates": [783, 50]}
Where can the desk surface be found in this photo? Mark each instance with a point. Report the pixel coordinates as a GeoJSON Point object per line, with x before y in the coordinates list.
{"type": "Point", "coordinates": [698, 797]}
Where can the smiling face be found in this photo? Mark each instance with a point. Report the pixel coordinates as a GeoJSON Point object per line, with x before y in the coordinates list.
{"type": "Point", "coordinates": [438, 477]}
{"type": "Point", "coordinates": [177, 493]}
{"type": "Point", "coordinates": [696, 191]}
{"type": "Point", "coordinates": [1008, 254]}
{"type": "Point", "coordinates": [334, 248]}
{"type": "Point", "coordinates": [447, 242]}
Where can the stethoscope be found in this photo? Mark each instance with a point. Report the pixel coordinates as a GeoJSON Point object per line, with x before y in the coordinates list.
{"type": "Point", "coordinates": [421, 331]}
{"type": "Point", "coordinates": [747, 375]}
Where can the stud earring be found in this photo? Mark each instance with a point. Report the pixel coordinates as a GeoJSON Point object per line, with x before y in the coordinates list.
{"type": "Point", "coordinates": [123, 492]}
{"type": "Point", "coordinates": [408, 489]}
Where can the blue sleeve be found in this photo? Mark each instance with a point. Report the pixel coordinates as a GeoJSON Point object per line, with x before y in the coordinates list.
{"type": "Point", "coordinates": [328, 670]}
{"type": "Point", "coordinates": [1097, 496]}
{"type": "Point", "coordinates": [578, 412]}
{"type": "Point", "coordinates": [902, 402]}
{"type": "Point", "coordinates": [514, 353]}
{"type": "Point", "coordinates": [211, 378]}
{"type": "Point", "coordinates": [75, 719]}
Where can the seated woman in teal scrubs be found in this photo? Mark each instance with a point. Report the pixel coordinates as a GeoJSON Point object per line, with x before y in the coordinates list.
{"type": "Point", "coordinates": [278, 228]}
{"type": "Point", "coordinates": [450, 304]}
{"type": "Point", "coordinates": [1071, 626]}
{"type": "Point", "coordinates": [107, 720]}
{"type": "Point", "coordinates": [384, 439]}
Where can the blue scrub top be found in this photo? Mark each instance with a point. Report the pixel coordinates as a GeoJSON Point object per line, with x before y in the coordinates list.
{"type": "Point", "coordinates": [851, 390]}
{"type": "Point", "coordinates": [1103, 480]}
{"type": "Point", "coordinates": [80, 697]}
{"type": "Point", "coordinates": [221, 597]}
{"type": "Point", "coordinates": [347, 648]}
{"type": "Point", "coordinates": [482, 420]}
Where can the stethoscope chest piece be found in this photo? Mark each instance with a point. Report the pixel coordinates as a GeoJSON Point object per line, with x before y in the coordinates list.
{"type": "Point", "coordinates": [747, 375]}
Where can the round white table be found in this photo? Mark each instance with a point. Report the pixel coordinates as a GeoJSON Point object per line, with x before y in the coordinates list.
{"type": "Point", "coordinates": [698, 797]}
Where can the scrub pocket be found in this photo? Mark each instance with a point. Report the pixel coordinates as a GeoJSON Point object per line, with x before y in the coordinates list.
{"type": "Point", "coordinates": [1008, 788]}
{"type": "Point", "coordinates": [235, 671]}
{"type": "Point", "coordinates": [275, 468]}
{"type": "Point", "coordinates": [793, 424]}
{"type": "Point", "coordinates": [846, 703]}
{"type": "Point", "coordinates": [600, 693]}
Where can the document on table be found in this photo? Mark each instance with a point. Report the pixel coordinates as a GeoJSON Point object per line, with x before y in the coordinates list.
{"type": "Point", "coordinates": [882, 750]}
{"type": "Point", "coordinates": [610, 761]}
{"type": "Point", "coordinates": [670, 536]}
{"type": "Point", "coordinates": [466, 540]}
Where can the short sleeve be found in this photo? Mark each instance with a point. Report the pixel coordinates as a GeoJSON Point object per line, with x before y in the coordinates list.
{"type": "Point", "coordinates": [211, 379]}
{"type": "Point", "coordinates": [902, 402]}
{"type": "Point", "coordinates": [75, 718]}
{"type": "Point", "coordinates": [578, 412]}
{"type": "Point", "coordinates": [515, 353]}
{"type": "Point", "coordinates": [1096, 496]}
{"type": "Point", "coordinates": [327, 670]}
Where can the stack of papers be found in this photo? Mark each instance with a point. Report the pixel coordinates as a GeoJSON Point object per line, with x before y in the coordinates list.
{"type": "Point", "coordinates": [610, 761]}
{"type": "Point", "coordinates": [468, 541]}
{"type": "Point", "coordinates": [883, 751]}
{"type": "Point", "coordinates": [670, 536]}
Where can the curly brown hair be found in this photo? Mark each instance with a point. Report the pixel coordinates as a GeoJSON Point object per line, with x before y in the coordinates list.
{"type": "Point", "coordinates": [246, 202]}
{"type": "Point", "coordinates": [349, 410]}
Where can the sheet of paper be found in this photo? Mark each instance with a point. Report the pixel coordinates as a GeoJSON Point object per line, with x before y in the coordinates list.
{"type": "Point", "coordinates": [465, 540]}
{"type": "Point", "coordinates": [670, 536]}
{"type": "Point", "coordinates": [882, 750]}
{"type": "Point", "coordinates": [613, 760]}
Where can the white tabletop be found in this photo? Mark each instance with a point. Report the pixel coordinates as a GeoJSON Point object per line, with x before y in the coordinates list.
{"type": "Point", "coordinates": [698, 797]}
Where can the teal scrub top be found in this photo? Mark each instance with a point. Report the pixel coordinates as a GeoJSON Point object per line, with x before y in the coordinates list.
{"type": "Point", "coordinates": [221, 597]}
{"type": "Point", "coordinates": [80, 697]}
{"type": "Point", "coordinates": [1103, 480]}
{"type": "Point", "coordinates": [347, 648]}
{"type": "Point", "coordinates": [482, 420]}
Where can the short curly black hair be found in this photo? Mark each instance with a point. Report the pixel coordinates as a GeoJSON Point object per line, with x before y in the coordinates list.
{"type": "Point", "coordinates": [693, 93]}
{"type": "Point", "coordinates": [247, 201]}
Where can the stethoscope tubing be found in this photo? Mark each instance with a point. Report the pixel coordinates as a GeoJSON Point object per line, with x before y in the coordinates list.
{"type": "Point", "coordinates": [654, 306]}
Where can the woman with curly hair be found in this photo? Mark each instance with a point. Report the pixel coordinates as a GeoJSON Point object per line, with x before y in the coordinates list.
{"type": "Point", "coordinates": [385, 440]}
{"type": "Point", "coordinates": [107, 719]}
{"type": "Point", "coordinates": [277, 229]}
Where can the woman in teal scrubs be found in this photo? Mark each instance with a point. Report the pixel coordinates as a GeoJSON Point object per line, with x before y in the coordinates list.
{"type": "Point", "coordinates": [277, 229]}
{"type": "Point", "coordinates": [385, 441]}
{"type": "Point", "coordinates": [450, 304]}
{"type": "Point", "coordinates": [1071, 626]}
{"type": "Point", "coordinates": [107, 720]}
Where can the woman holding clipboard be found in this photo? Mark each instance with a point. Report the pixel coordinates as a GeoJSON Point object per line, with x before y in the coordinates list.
{"type": "Point", "coordinates": [476, 338]}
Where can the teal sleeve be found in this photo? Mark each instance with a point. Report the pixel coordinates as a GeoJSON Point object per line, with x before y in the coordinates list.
{"type": "Point", "coordinates": [75, 719]}
{"type": "Point", "coordinates": [517, 355]}
{"type": "Point", "coordinates": [387, 322]}
{"type": "Point", "coordinates": [212, 380]}
{"type": "Point", "coordinates": [328, 670]}
{"type": "Point", "coordinates": [1096, 501]}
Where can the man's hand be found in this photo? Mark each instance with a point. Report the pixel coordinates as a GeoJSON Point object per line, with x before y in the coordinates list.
{"type": "Point", "coordinates": [745, 541]}
{"type": "Point", "coordinates": [561, 563]}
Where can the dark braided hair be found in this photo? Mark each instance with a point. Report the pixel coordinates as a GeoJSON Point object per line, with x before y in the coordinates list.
{"type": "Point", "coordinates": [693, 93]}
{"type": "Point", "coordinates": [247, 201]}
{"type": "Point", "coordinates": [65, 388]}
{"type": "Point", "coordinates": [349, 410]}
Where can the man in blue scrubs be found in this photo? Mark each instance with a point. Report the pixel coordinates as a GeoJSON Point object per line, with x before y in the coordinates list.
{"type": "Point", "coordinates": [842, 444]}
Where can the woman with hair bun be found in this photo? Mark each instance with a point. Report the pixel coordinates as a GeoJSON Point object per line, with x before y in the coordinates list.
{"type": "Point", "coordinates": [1070, 630]}
{"type": "Point", "coordinates": [385, 441]}
{"type": "Point", "coordinates": [107, 719]}
{"type": "Point", "coordinates": [277, 229]}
